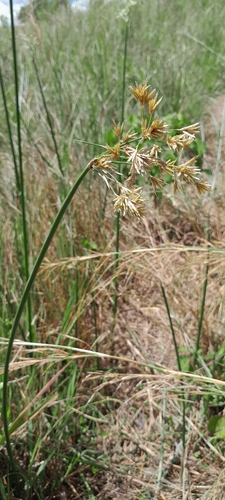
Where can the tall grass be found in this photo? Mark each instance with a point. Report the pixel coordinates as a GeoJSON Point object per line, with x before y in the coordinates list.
{"type": "Point", "coordinates": [72, 416]}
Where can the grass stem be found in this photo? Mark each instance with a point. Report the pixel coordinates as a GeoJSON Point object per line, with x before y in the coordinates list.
{"type": "Point", "coordinates": [48, 118]}
{"type": "Point", "coordinates": [115, 298]}
{"type": "Point", "coordinates": [21, 180]}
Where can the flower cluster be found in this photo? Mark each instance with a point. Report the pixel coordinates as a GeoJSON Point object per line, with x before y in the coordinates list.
{"type": "Point", "coordinates": [144, 155]}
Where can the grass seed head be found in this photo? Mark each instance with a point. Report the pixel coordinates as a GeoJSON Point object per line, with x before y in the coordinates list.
{"type": "Point", "coordinates": [112, 152]}
{"type": "Point", "coordinates": [179, 141]}
{"type": "Point", "coordinates": [144, 156]}
{"type": "Point", "coordinates": [191, 129]}
{"type": "Point", "coordinates": [142, 93]}
{"type": "Point", "coordinates": [158, 129]}
{"type": "Point", "coordinates": [153, 104]}
{"type": "Point", "coordinates": [117, 129]}
{"type": "Point", "coordinates": [130, 202]}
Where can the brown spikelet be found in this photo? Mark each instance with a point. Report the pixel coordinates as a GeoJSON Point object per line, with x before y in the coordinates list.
{"type": "Point", "coordinates": [128, 137]}
{"type": "Point", "coordinates": [112, 152]}
{"type": "Point", "coordinates": [117, 129]}
{"type": "Point", "coordinates": [202, 187]}
{"type": "Point", "coordinates": [142, 93]}
{"type": "Point", "coordinates": [130, 202]}
{"type": "Point", "coordinates": [156, 183]}
{"type": "Point", "coordinates": [191, 129]}
{"type": "Point", "coordinates": [179, 141]}
{"type": "Point", "coordinates": [158, 129]}
{"type": "Point", "coordinates": [153, 104]}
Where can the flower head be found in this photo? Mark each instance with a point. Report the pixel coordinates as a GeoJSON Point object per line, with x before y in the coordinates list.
{"type": "Point", "coordinates": [190, 129]}
{"type": "Point", "coordinates": [117, 129]}
{"type": "Point", "coordinates": [130, 202]}
{"type": "Point", "coordinates": [181, 140]}
{"type": "Point", "coordinates": [102, 164]}
{"type": "Point", "coordinates": [140, 159]}
{"type": "Point", "coordinates": [112, 152]}
{"type": "Point", "coordinates": [142, 93]}
{"type": "Point", "coordinates": [158, 129]}
{"type": "Point", "coordinates": [189, 173]}
{"type": "Point", "coordinates": [153, 103]}
{"type": "Point", "coordinates": [144, 155]}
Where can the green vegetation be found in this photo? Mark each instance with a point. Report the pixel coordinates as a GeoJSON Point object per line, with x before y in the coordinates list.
{"type": "Point", "coordinates": [111, 332]}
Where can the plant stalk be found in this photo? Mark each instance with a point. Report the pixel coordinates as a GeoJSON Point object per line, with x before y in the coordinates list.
{"type": "Point", "coordinates": [20, 155]}
{"type": "Point", "coordinates": [115, 298]}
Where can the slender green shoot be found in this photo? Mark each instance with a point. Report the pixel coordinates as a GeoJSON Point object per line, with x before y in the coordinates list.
{"type": "Point", "coordinates": [200, 322]}
{"type": "Point", "coordinates": [120, 171]}
{"type": "Point", "coordinates": [48, 118]}
{"type": "Point", "coordinates": [20, 155]}
{"type": "Point", "coordinates": [10, 133]}
{"type": "Point", "coordinates": [178, 364]}
{"type": "Point", "coordinates": [171, 327]}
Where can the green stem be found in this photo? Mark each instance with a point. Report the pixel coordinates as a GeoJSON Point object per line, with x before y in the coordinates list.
{"type": "Point", "coordinates": [21, 183]}
{"type": "Point", "coordinates": [22, 303]}
{"type": "Point", "coordinates": [171, 327]}
{"type": "Point", "coordinates": [197, 344]}
{"type": "Point", "coordinates": [120, 171]}
{"type": "Point", "coordinates": [48, 118]}
{"type": "Point", "coordinates": [124, 73]}
{"type": "Point", "coordinates": [178, 364]}
{"type": "Point", "coordinates": [10, 132]}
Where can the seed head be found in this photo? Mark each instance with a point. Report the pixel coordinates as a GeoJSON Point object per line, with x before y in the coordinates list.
{"type": "Point", "coordinates": [102, 164]}
{"type": "Point", "coordinates": [153, 103]}
{"type": "Point", "coordinates": [142, 93]}
{"type": "Point", "coordinates": [158, 129]}
{"type": "Point", "coordinates": [181, 140]}
{"type": "Point", "coordinates": [191, 129]}
{"type": "Point", "coordinates": [112, 153]}
{"type": "Point", "coordinates": [202, 187]}
{"type": "Point", "coordinates": [144, 155]}
{"type": "Point", "coordinates": [156, 183]}
{"type": "Point", "coordinates": [190, 173]}
{"type": "Point", "coordinates": [130, 202]}
{"type": "Point", "coordinates": [117, 129]}
{"type": "Point", "coordinates": [141, 160]}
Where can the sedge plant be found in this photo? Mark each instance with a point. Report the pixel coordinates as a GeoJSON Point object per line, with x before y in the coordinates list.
{"type": "Point", "coordinates": [141, 154]}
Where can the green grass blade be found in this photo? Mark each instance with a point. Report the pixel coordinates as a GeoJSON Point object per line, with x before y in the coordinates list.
{"type": "Point", "coordinates": [201, 315]}
{"type": "Point", "coordinates": [120, 171]}
{"type": "Point", "coordinates": [178, 364]}
{"type": "Point", "coordinates": [171, 327]}
{"type": "Point", "coordinates": [48, 118]}
{"type": "Point", "coordinates": [10, 133]}
{"type": "Point", "coordinates": [20, 155]}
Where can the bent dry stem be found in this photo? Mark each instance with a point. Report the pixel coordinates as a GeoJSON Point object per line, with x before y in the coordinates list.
{"type": "Point", "coordinates": [23, 301]}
